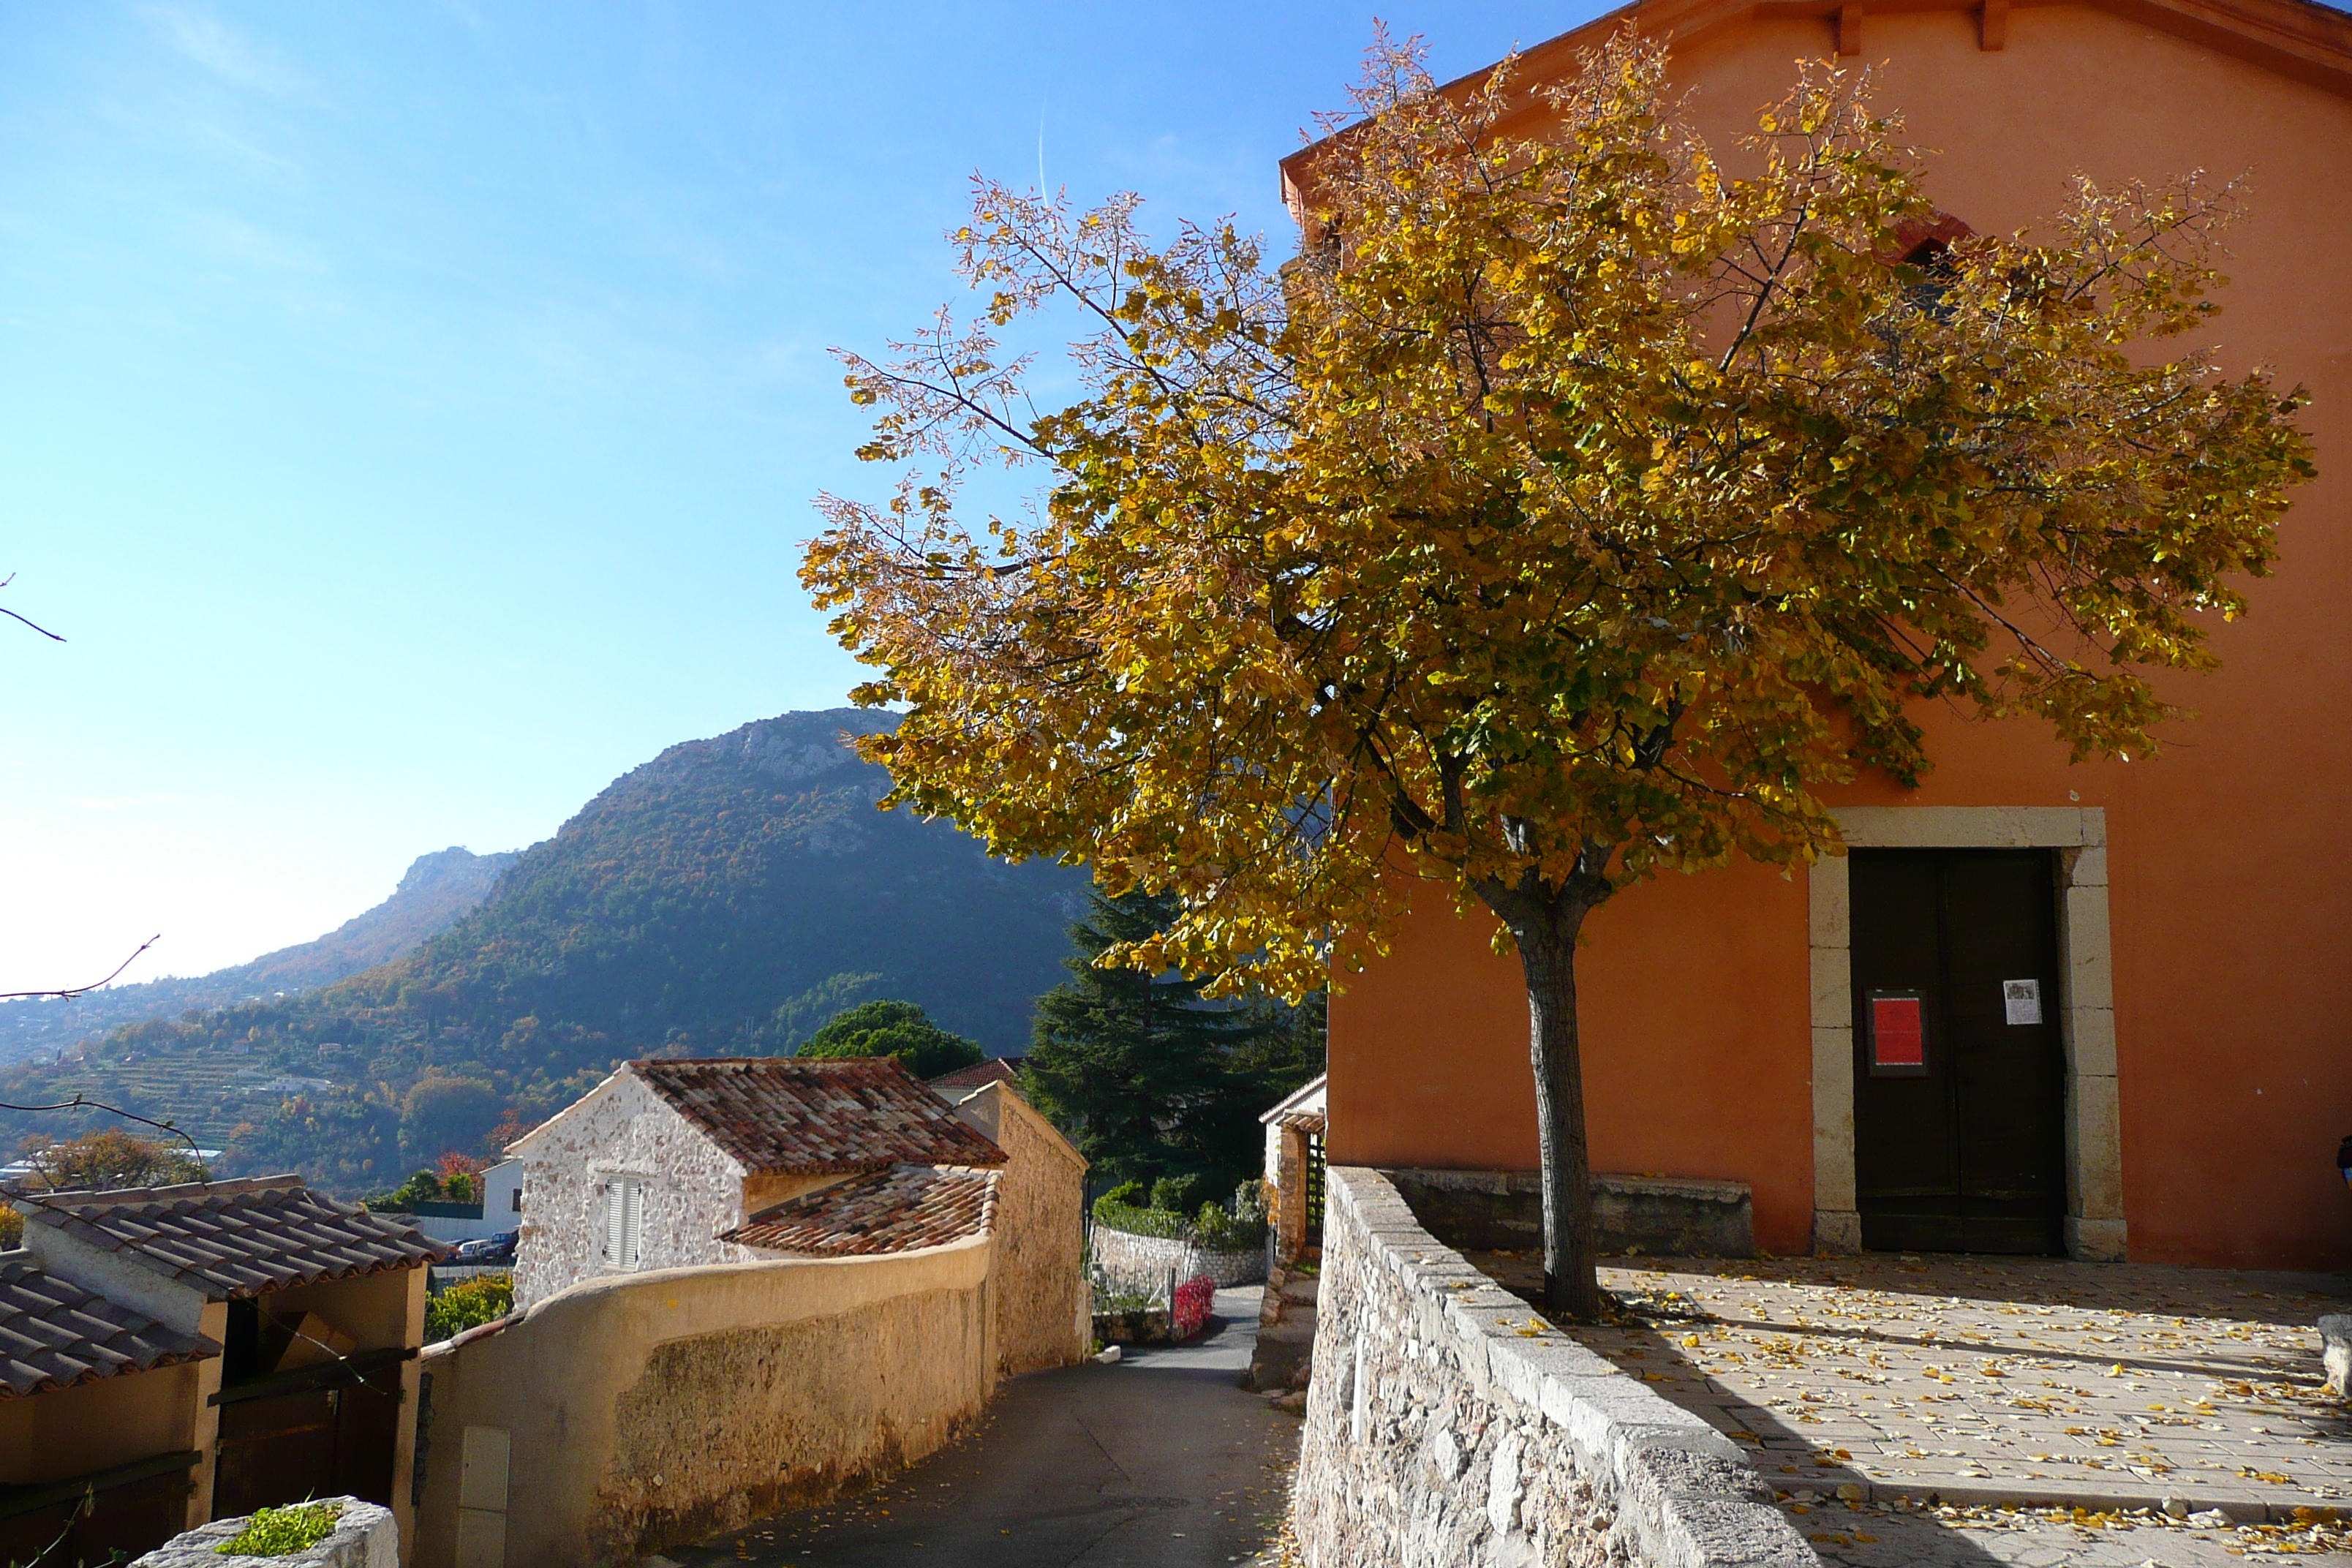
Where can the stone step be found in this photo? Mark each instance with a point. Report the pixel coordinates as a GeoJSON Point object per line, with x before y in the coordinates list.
{"type": "Point", "coordinates": [1293, 1329]}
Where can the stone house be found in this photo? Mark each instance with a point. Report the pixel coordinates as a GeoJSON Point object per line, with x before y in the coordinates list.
{"type": "Point", "coordinates": [1294, 1177]}
{"type": "Point", "coordinates": [1294, 1170]}
{"type": "Point", "coordinates": [822, 1272]}
{"type": "Point", "coordinates": [196, 1352]}
{"type": "Point", "coordinates": [2094, 1008]}
{"type": "Point", "coordinates": [668, 1164]}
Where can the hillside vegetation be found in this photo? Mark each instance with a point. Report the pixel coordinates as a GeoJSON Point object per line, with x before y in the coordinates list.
{"type": "Point", "coordinates": [727, 896]}
{"type": "Point", "coordinates": [435, 890]}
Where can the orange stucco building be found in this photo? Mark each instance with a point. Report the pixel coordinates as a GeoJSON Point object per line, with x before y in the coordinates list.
{"type": "Point", "coordinates": [2196, 909]}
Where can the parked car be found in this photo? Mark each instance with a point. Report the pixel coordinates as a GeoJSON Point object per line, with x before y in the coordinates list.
{"type": "Point", "coordinates": [499, 1249]}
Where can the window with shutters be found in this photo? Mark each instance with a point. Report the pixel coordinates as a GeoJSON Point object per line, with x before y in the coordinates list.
{"type": "Point", "coordinates": [625, 1217]}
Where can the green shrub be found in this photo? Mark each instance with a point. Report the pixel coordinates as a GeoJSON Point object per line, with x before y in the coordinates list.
{"type": "Point", "coordinates": [424, 1187]}
{"type": "Point", "coordinates": [468, 1304]}
{"type": "Point", "coordinates": [897, 1030]}
{"type": "Point", "coordinates": [1177, 1195]}
{"type": "Point", "coordinates": [282, 1532]}
{"type": "Point", "coordinates": [1221, 1232]}
{"type": "Point", "coordinates": [1213, 1227]}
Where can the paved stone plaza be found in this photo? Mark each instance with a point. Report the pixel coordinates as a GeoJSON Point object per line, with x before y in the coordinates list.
{"type": "Point", "coordinates": [1890, 1380]}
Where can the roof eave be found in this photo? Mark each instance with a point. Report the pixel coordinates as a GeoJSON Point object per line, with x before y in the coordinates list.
{"type": "Point", "coordinates": [2300, 39]}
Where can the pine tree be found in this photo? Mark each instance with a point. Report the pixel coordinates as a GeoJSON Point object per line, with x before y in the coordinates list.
{"type": "Point", "coordinates": [1149, 1078]}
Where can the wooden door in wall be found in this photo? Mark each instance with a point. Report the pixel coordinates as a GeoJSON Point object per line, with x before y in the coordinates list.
{"type": "Point", "coordinates": [1960, 1071]}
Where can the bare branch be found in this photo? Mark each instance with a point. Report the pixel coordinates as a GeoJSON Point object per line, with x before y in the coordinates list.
{"type": "Point", "coordinates": [15, 616]}
{"type": "Point", "coordinates": [73, 991]}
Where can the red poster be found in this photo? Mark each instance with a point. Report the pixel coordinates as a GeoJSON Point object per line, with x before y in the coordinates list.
{"type": "Point", "coordinates": [1898, 1034]}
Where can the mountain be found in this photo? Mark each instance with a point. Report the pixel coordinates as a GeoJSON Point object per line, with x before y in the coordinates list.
{"type": "Point", "coordinates": [733, 893]}
{"type": "Point", "coordinates": [436, 889]}
{"type": "Point", "coordinates": [727, 897]}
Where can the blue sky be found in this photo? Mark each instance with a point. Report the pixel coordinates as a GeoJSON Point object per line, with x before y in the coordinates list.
{"type": "Point", "coordinates": [409, 413]}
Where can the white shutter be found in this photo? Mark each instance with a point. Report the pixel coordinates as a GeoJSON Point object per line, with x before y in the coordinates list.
{"type": "Point", "coordinates": [614, 1204]}
{"type": "Point", "coordinates": [632, 1220]}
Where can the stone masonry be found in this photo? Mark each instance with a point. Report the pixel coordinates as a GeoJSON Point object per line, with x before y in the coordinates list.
{"type": "Point", "coordinates": [1284, 1355]}
{"type": "Point", "coordinates": [364, 1537]}
{"type": "Point", "coordinates": [1447, 1429]}
{"type": "Point", "coordinates": [1145, 1260]}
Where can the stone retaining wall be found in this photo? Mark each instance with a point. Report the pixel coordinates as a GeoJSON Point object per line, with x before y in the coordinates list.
{"type": "Point", "coordinates": [1144, 1261]}
{"type": "Point", "coordinates": [1447, 1427]}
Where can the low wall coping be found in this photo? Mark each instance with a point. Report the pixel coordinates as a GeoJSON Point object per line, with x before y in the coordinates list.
{"type": "Point", "coordinates": [1687, 1492]}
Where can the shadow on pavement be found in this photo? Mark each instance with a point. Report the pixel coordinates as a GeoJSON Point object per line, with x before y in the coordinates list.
{"type": "Point", "coordinates": [1162, 1461]}
{"type": "Point", "coordinates": [2242, 1295]}
{"type": "Point", "coordinates": [1791, 1463]}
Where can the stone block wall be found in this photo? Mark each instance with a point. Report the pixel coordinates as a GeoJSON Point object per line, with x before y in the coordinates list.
{"type": "Point", "coordinates": [1447, 1426]}
{"type": "Point", "coordinates": [693, 1191]}
{"type": "Point", "coordinates": [1145, 1260]}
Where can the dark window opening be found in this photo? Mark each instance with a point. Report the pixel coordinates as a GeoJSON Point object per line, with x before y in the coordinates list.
{"type": "Point", "coordinates": [1931, 295]}
{"type": "Point", "coordinates": [241, 1348]}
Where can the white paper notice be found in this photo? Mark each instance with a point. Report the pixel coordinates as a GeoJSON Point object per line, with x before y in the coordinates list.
{"type": "Point", "coordinates": [2022, 1000]}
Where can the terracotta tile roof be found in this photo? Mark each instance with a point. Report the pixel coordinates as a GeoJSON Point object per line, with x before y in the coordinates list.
{"type": "Point", "coordinates": [234, 1238]}
{"type": "Point", "coordinates": [783, 1115]}
{"type": "Point", "coordinates": [55, 1334]}
{"type": "Point", "coordinates": [980, 1075]}
{"type": "Point", "coordinates": [888, 1211]}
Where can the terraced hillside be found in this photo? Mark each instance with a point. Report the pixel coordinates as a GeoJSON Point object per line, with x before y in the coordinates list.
{"type": "Point", "coordinates": [725, 897]}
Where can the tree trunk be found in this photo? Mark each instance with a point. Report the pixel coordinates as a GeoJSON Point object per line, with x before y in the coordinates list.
{"type": "Point", "coordinates": [1546, 943]}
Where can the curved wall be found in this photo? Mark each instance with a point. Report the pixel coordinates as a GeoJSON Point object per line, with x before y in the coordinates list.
{"type": "Point", "coordinates": [640, 1411]}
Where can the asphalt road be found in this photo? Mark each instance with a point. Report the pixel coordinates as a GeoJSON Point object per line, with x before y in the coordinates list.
{"type": "Point", "coordinates": [1160, 1461]}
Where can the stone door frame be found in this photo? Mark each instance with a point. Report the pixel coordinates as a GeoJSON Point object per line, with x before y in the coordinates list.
{"type": "Point", "coordinates": [2094, 1215]}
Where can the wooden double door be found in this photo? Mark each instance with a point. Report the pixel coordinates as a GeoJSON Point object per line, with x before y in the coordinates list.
{"type": "Point", "coordinates": [1959, 1066]}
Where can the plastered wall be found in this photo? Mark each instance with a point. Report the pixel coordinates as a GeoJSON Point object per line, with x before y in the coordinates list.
{"type": "Point", "coordinates": [638, 1411]}
{"type": "Point", "coordinates": [1043, 1308]}
{"type": "Point", "coordinates": [2233, 1057]}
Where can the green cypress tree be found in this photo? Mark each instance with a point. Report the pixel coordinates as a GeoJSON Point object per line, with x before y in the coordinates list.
{"type": "Point", "coordinates": [1148, 1078]}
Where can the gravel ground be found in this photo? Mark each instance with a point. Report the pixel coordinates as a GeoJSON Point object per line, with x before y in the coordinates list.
{"type": "Point", "coordinates": [1982, 1381]}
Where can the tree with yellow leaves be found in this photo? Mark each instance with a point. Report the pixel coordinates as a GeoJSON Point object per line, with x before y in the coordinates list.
{"type": "Point", "coordinates": [1569, 512]}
